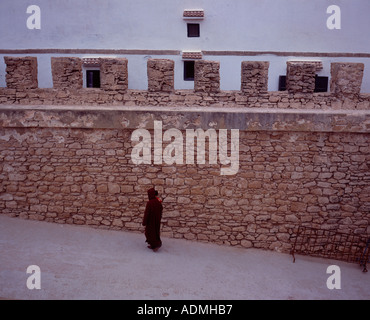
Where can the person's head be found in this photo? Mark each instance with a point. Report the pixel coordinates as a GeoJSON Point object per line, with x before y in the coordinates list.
{"type": "Point", "coordinates": [151, 193]}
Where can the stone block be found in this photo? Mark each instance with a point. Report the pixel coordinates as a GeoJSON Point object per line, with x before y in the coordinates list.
{"type": "Point", "coordinates": [160, 75]}
{"type": "Point", "coordinates": [346, 79]}
{"type": "Point", "coordinates": [206, 76]}
{"type": "Point", "coordinates": [21, 72]}
{"type": "Point", "coordinates": [300, 77]}
{"type": "Point", "coordinates": [66, 72]}
{"type": "Point", "coordinates": [254, 77]}
{"type": "Point", "coordinates": [114, 74]}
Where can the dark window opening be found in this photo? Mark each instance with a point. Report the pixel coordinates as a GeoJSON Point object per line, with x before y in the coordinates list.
{"type": "Point", "coordinates": [193, 30]}
{"type": "Point", "coordinates": [282, 83]}
{"type": "Point", "coordinates": [321, 83]}
{"type": "Point", "coordinates": [189, 70]}
{"type": "Point", "coordinates": [92, 79]}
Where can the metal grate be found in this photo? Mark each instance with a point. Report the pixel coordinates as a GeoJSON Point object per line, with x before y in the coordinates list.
{"type": "Point", "coordinates": [332, 244]}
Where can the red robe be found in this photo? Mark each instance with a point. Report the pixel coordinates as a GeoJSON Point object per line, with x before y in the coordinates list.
{"type": "Point", "coordinates": [152, 220]}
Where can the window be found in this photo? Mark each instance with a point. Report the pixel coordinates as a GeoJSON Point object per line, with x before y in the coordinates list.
{"type": "Point", "coordinates": [193, 30]}
{"type": "Point", "coordinates": [321, 84]}
{"type": "Point", "coordinates": [282, 83]}
{"type": "Point", "coordinates": [92, 78]}
{"type": "Point", "coordinates": [189, 70]}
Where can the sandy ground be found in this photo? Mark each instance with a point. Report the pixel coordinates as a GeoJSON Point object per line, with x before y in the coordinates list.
{"type": "Point", "coordinates": [85, 263]}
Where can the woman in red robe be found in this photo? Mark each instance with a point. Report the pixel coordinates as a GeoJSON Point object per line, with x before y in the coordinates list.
{"type": "Point", "coordinates": [152, 221]}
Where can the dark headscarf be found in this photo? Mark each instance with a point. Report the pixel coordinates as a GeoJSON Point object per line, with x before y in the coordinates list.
{"type": "Point", "coordinates": [151, 193]}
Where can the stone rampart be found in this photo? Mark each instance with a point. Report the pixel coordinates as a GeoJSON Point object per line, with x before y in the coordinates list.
{"type": "Point", "coordinates": [303, 157]}
{"type": "Point", "coordinates": [346, 79]}
{"type": "Point", "coordinates": [74, 165]}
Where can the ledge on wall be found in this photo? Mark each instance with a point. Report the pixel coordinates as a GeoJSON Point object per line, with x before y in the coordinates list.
{"type": "Point", "coordinates": [246, 119]}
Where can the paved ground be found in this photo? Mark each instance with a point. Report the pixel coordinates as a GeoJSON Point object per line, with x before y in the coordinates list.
{"type": "Point", "coordinates": [86, 263]}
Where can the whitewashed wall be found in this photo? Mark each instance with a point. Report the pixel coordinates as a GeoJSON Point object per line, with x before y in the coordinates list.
{"type": "Point", "coordinates": [229, 25]}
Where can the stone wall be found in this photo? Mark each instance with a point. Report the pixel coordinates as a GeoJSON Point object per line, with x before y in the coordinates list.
{"type": "Point", "coordinates": [254, 77]}
{"type": "Point", "coordinates": [65, 152]}
{"type": "Point", "coordinates": [21, 73]}
{"type": "Point", "coordinates": [226, 100]}
{"type": "Point", "coordinates": [300, 77]}
{"type": "Point", "coordinates": [113, 74]}
{"type": "Point", "coordinates": [346, 79]}
{"type": "Point", "coordinates": [67, 73]}
{"type": "Point", "coordinates": [206, 76]}
{"type": "Point", "coordinates": [85, 176]}
{"type": "Point", "coordinates": [74, 165]}
{"type": "Point", "coordinates": [161, 75]}
{"type": "Point", "coordinates": [67, 76]}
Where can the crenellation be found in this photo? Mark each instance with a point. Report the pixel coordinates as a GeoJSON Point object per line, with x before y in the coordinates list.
{"type": "Point", "coordinates": [303, 156]}
{"type": "Point", "coordinates": [21, 73]}
{"type": "Point", "coordinates": [254, 77]}
{"type": "Point", "coordinates": [67, 78]}
{"type": "Point", "coordinates": [206, 76]}
{"type": "Point", "coordinates": [300, 77]}
{"type": "Point", "coordinates": [114, 74]}
{"type": "Point", "coordinates": [346, 79]}
{"type": "Point", "coordinates": [67, 72]}
{"type": "Point", "coordinates": [160, 75]}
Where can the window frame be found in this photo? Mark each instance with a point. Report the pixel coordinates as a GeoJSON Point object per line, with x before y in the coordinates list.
{"type": "Point", "coordinates": [193, 33]}
{"type": "Point", "coordinates": [94, 70]}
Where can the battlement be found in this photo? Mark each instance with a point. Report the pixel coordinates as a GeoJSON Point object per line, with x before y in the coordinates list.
{"type": "Point", "coordinates": [67, 75]}
{"type": "Point", "coordinates": [67, 151]}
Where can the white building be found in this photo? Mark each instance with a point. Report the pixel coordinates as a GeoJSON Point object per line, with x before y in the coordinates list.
{"type": "Point", "coordinates": [230, 31]}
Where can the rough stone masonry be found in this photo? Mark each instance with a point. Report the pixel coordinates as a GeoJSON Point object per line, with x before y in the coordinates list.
{"type": "Point", "coordinates": [304, 157]}
{"type": "Point", "coordinates": [21, 73]}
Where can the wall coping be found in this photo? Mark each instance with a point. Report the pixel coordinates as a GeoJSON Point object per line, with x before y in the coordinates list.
{"type": "Point", "coordinates": [133, 117]}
